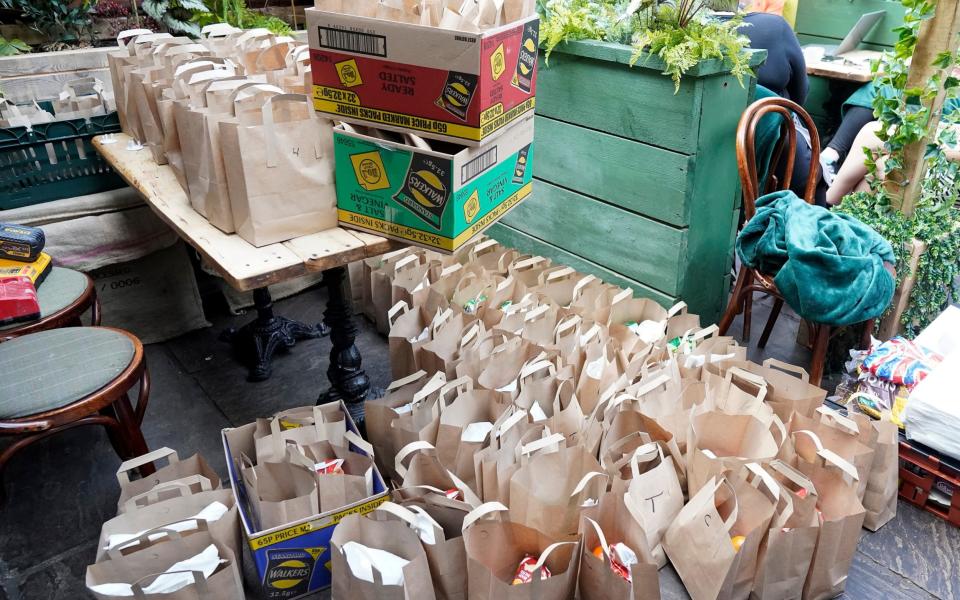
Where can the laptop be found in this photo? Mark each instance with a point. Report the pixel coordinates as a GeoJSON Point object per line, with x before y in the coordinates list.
{"type": "Point", "coordinates": [855, 36]}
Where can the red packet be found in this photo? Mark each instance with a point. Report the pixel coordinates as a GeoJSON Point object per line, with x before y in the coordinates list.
{"type": "Point", "coordinates": [525, 571]}
{"type": "Point", "coordinates": [18, 300]}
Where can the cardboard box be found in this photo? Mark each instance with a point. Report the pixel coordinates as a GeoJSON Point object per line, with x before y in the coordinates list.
{"type": "Point", "coordinates": [292, 560]}
{"type": "Point", "coordinates": [437, 199]}
{"type": "Point", "coordinates": [448, 85]}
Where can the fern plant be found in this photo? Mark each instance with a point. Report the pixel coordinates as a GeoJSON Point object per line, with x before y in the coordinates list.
{"type": "Point", "coordinates": [176, 15]}
{"type": "Point", "coordinates": [236, 13]}
{"type": "Point", "coordinates": [677, 31]}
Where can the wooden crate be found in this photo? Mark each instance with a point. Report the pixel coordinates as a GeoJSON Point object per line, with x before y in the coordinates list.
{"type": "Point", "coordinates": [922, 471]}
{"type": "Point", "coordinates": [634, 183]}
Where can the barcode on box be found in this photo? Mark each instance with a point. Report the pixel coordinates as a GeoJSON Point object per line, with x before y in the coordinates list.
{"type": "Point", "coordinates": [353, 41]}
{"type": "Point", "coordinates": [478, 165]}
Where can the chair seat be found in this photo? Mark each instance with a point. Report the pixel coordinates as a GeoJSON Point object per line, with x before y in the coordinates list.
{"type": "Point", "coordinates": [60, 289]}
{"type": "Point", "coordinates": [48, 370]}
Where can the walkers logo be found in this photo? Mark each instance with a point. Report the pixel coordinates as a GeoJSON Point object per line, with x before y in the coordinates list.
{"type": "Point", "coordinates": [289, 571]}
{"type": "Point", "coordinates": [527, 58]}
{"type": "Point", "coordinates": [424, 191]}
{"type": "Point", "coordinates": [457, 94]}
{"type": "Point", "coordinates": [349, 73]}
{"type": "Point", "coordinates": [472, 206]}
{"type": "Point", "coordinates": [498, 62]}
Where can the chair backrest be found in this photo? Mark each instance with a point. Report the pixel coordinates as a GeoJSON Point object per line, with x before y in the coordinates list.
{"type": "Point", "coordinates": [785, 148]}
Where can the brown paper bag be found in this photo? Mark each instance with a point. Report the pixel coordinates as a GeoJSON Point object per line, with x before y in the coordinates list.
{"type": "Point", "coordinates": [138, 518]}
{"type": "Point", "coordinates": [174, 471]}
{"type": "Point", "coordinates": [460, 434]}
{"type": "Point", "coordinates": [527, 269]}
{"type": "Point", "coordinates": [548, 492]}
{"type": "Point", "coordinates": [788, 387]}
{"type": "Point", "coordinates": [279, 166]}
{"type": "Point", "coordinates": [381, 413]}
{"type": "Point", "coordinates": [443, 546]}
{"type": "Point", "coordinates": [841, 435]}
{"type": "Point", "coordinates": [841, 515]}
{"type": "Point", "coordinates": [611, 524]}
{"type": "Point", "coordinates": [381, 285]}
{"type": "Point", "coordinates": [495, 549]}
{"type": "Point", "coordinates": [279, 493]}
{"type": "Point", "coordinates": [381, 532]}
{"type": "Point", "coordinates": [722, 443]}
{"type": "Point", "coordinates": [785, 555]}
{"type": "Point", "coordinates": [880, 498]}
{"type": "Point", "coordinates": [757, 498]}
{"type": "Point", "coordinates": [303, 425]}
{"type": "Point", "coordinates": [653, 495]}
{"type": "Point", "coordinates": [337, 490]}
{"type": "Point", "coordinates": [425, 477]}
{"type": "Point", "coordinates": [698, 541]}
{"type": "Point", "coordinates": [410, 329]}
{"type": "Point", "coordinates": [450, 336]}
{"type": "Point", "coordinates": [513, 438]}
{"type": "Point", "coordinates": [141, 561]}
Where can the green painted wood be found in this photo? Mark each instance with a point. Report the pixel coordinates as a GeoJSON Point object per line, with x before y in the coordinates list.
{"type": "Point", "coordinates": [634, 103]}
{"type": "Point", "coordinates": [834, 19]}
{"type": "Point", "coordinates": [716, 186]}
{"type": "Point", "coordinates": [611, 168]}
{"type": "Point", "coordinates": [525, 243]}
{"type": "Point", "coordinates": [632, 245]}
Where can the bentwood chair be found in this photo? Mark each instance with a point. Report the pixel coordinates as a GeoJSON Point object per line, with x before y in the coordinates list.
{"type": "Point", "coordinates": [63, 296]}
{"type": "Point", "coordinates": [62, 378]}
{"type": "Point", "coordinates": [750, 281]}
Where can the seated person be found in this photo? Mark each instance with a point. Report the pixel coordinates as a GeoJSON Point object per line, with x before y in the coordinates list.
{"type": "Point", "coordinates": [784, 73]}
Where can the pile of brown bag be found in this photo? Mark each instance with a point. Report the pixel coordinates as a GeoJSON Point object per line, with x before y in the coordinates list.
{"type": "Point", "coordinates": [231, 116]}
{"type": "Point", "coordinates": [549, 434]}
{"type": "Point", "coordinates": [176, 535]}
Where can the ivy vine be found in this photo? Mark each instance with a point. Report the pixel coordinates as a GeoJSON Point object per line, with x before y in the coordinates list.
{"type": "Point", "coordinates": [905, 117]}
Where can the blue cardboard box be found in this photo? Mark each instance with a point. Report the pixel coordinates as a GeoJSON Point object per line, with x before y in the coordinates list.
{"type": "Point", "coordinates": [292, 560]}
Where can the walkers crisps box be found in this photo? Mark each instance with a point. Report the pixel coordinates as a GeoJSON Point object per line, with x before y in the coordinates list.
{"type": "Point", "coordinates": [292, 560]}
{"type": "Point", "coordinates": [438, 198]}
{"type": "Point", "coordinates": [444, 84]}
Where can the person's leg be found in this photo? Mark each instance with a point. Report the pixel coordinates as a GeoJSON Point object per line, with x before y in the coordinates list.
{"type": "Point", "coordinates": [854, 169]}
{"type": "Point", "coordinates": [835, 154]}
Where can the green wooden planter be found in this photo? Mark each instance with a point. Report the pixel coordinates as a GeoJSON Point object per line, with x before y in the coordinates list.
{"type": "Point", "coordinates": [635, 184]}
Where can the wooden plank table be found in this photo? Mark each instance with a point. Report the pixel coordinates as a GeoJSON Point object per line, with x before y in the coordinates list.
{"type": "Point", "coordinates": [852, 66]}
{"type": "Point", "coordinates": [246, 267]}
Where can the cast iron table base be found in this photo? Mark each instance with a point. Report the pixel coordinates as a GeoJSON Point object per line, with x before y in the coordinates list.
{"type": "Point", "coordinates": [348, 381]}
{"type": "Point", "coordinates": [257, 341]}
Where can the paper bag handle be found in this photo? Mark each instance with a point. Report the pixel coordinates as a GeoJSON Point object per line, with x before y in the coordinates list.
{"type": "Point", "coordinates": [600, 537]}
{"type": "Point", "coordinates": [772, 363]}
{"type": "Point", "coordinates": [793, 475]}
{"type": "Point", "coordinates": [198, 580]}
{"type": "Point", "coordinates": [461, 384]}
{"type": "Point", "coordinates": [679, 307]}
{"type": "Point", "coordinates": [123, 473]}
{"type": "Point", "coordinates": [128, 35]}
{"type": "Point", "coordinates": [543, 559]}
{"type": "Point", "coordinates": [399, 383]}
{"type": "Point", "coordinates": [554, 274]}
{"type": "Point", "coordinates": [398, 309]}
{"type": "Point", "coordinates": [845, 424]}
{"type": "Point", "coordinates": [829, 456]}
{"type": "Point", "coordinates": [359, 442]}
{"type": "Point", "coordinates": [645, 450]}
{"type": "Point", "coordinates": [646, 388]}
{"type": "Point", "coordinates": [182, 485]}
{"type": "Point", "coordinates": [582, 484]}
{"type": "Point", "coordinates": [436, 382]}
{"type": "Point", "coordinates": [481, 511]}
{"type": "Point", "coordinates": [538, 445]}
{"type": "Point", "coordinates": [144, 540]}
{"type": "Point", "coordinates": [405, 514]}
{"type": "Point", "coordinates": [215, 30]}
{"type": "Point", "coordinates": [406, 451]}
{"type": "Point", "coordinates": [762, 476]}
{"type": "Point", "coordinates": [509, 422]}
{"type": "Point", "coordinates": [705, 332]}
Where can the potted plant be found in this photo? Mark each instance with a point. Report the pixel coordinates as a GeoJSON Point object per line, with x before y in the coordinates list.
{"type": "Point", "coordinates": [927, 239]}
{"type": "Point", "coordinates": [636, 119]}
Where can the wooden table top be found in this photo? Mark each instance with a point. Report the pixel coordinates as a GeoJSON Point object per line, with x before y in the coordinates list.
{"type": "Point", "coordinates": [241, 264]}
{"type": "Point", "coordinates": [852, 66]}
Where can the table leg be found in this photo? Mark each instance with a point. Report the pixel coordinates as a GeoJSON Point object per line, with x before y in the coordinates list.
{"type": "Point", "coordinates": [259, 339]}
{"type": "Point", "coordinates": [348, 381]}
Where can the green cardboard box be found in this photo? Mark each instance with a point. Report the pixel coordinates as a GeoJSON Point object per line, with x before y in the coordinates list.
{"type": "Point", "coordinates": [438, 198]}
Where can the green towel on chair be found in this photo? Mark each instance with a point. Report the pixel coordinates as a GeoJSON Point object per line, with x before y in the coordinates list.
{"type": "Point", "coordinates": [828, 266]}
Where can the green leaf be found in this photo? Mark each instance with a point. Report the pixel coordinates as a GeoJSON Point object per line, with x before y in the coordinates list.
{"type": "Point", "coordinates": [943, 59]}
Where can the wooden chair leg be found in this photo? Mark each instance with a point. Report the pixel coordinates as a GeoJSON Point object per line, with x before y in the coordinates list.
{"type": "Point", "coordinates": [771, 321]}
{"type": "Point", "coordinates": [733, 307]}
{"type": "Point", "coordinates": [820, 344]}
{"type": "Point", "coordinates": [95, 311]}
{"type": "Point", "coordinates": [133, 437]}
{"type": "Point", "coordinates": [747, 316]}
{"type": "Point", "coordinates": [867, 334]}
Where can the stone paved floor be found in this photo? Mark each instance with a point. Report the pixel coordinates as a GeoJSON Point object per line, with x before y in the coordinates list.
{"type": "Point", "coordinates": [61, 490]}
